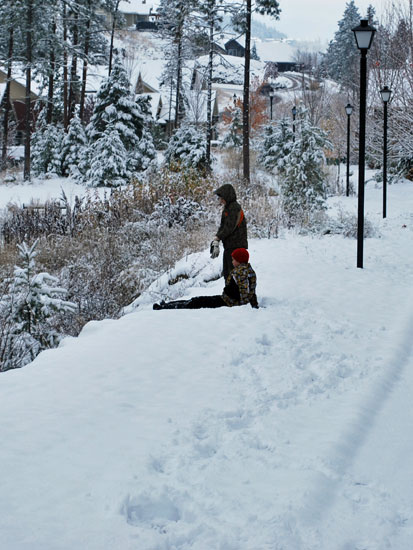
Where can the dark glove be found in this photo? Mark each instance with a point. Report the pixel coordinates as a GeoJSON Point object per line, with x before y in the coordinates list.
{"type": "Point", "coordinates": [254, 301]}
{"type": "Point", "coordinates": [214, 249]}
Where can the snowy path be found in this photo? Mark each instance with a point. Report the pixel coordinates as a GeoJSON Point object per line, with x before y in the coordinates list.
{"type": "Point", "coordinates": [366, 496]}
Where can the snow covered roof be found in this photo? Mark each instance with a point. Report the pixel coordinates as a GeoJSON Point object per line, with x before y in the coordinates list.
{"type": "Point", "coordinates": [143, 7]}
{"type": "Point", "coordinates": [274, 50]}
{"type": "Point", "coordinates": [151, 71]}
{"type": "Point", "coordinates": [19, 76]}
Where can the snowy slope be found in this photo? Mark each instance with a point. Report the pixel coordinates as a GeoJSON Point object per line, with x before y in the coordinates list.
{"type": "Point", "coordinates": [234, 429]}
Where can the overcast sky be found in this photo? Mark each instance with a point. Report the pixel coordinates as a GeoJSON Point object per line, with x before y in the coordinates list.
{"type": "Point", "coordinates": [316, 19]}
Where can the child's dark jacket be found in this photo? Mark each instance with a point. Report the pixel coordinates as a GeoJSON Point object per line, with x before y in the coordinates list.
{"type": "Point", "coordinates": [240, 285]}
{"type": "Point", "coordinates": [233, 228]}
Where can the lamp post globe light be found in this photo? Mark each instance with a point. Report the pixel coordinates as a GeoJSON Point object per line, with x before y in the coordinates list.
{"type": "Point", "coordinates": [385, 95]}
{"type": "Point", "coordinates": [349, 110]}
{"type": "Point", "coordinates": [364, 35]}
{"type": "Point", "coordinates": [294, 112]}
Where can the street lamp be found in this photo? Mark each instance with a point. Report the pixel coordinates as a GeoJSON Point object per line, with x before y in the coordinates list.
{"type": "Point", "coordinates": [385, 95]}
{"type": "Point", "coordinates": [294, 112]}
{"type": "Point", "coordinates": [271, 95]}
{"type": "Point", "coordinates": [349, 110]}
{"type": "Point", "coordinates": [364, 35]}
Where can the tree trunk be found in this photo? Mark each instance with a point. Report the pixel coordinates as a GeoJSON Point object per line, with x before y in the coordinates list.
{"type": "Point", "coordinates": [246, 107]}
{"type": "Point", "coordinates": [112, 36]}
{"type": "Point", "coordinates": [73, 70]}
{"type": "Point", "coordinates": [65, 72]}
{"type": "Point", "coordinates": [178, 79]}
{"type": "Point", "coordinates": [84, 71]}
{"type": "Point", "coordinates": [50, 93]}
{"type": "Point", "coordinates": [29, 32]}
{"type": "Point", "coordinates": [209, 93]}
{"type": "Point", "coordinates": [6, 102]}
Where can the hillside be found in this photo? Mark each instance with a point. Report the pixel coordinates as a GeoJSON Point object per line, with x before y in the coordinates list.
{"type": "Point", "coordinates": [286, 427]}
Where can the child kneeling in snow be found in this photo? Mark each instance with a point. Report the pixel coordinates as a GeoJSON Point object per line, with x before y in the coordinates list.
{"type": "Point", "coordinates": [239, 289]}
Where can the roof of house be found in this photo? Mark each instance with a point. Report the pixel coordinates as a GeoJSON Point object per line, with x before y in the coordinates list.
{"type": "Point", "coordinates": [279, 51]}
{"type": "Point", "coordinates": [268, 49]}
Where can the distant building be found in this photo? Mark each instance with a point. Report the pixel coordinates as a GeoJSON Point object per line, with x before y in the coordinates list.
{"type": "Point", "coordinates": [138, 14]}
{"type": "Point", "coordinates": [232, 47]}
{"type": "Point", "coordinates": [275, 51]}
{"type": "Point", "coordinates": [18, 103]}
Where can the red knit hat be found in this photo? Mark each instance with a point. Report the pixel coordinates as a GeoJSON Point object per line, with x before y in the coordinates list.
{"type": "Point", "coordinates": [241, 255]}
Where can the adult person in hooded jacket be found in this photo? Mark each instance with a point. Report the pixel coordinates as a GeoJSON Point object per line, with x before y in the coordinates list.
{"type": "Point", "coordinates": [233, 228]}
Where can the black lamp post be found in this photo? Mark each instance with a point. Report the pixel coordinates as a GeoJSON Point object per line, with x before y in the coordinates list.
{"type": "Point", "coordinates": [364, 34]}
{"type": "Point", "coordinates": [349, 110]}
{"type": "Point", "coordinates": [294, 112]}
{"type": "Point", "coordinates": [385, 95]}
{"type": "Point", "coordinates": [271, 95]}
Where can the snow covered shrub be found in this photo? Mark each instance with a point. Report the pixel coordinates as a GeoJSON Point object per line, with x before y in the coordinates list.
{"type": "Point", "coordinates": [46, 150]}
{"type": "Point", "coordinates": [276, 144]}
{"type": "Point", "coordinates": [74, 151]}
{"type": "Point", "coordinates": [182, 211]}
{"type": "Point", "coordinates": [27, 309]}
{"type": "Point", "coordinates": [33, 221]}
{"type": "Point", "coordinates": [116, 110]}
{"type": "Point", "coordinates": [187, 148]}
{"type": "Point", "coordinates": [300, 170]}
{"type": "Point", "coordinates": [262, 207]}
{"type": "Point", "coordinates": [108, 161]}
{"type": "Point", "coordinates": [346, 224]}
{"type": "Point", "coordinates": [233, 129]}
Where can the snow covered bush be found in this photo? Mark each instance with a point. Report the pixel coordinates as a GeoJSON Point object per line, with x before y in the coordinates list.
{"type": "Point", "coordinates": [187, 148]}
{"type": "Point", "coordinates": [46, 148]}
{"type": "Point", "coordinates": [108, 163]}
{"type": "Point", "coordinates": [74, 154]}
{"type": "Point", "coordinates": [182, 211]}
{"type": "Point", "coordinates": [26, 311]}
{"type": "Point", "coordinates": [300, 171]}
{"type": "Point", "coordinates": [276, 144]}
{"type": "Point", "coordinates": [118, 117]}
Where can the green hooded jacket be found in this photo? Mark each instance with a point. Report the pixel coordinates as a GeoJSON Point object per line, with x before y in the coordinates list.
{"type": "Point", "coordinates": [233, 229]}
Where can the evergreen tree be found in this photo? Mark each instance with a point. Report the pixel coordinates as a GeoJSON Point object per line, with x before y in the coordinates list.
{"type": "Point", "coordinates": [211, 19]}
{"type": "Point", "coordinates": [46, 149]}
{"type": "Point", "coordinates": [300, 171]}
{"type": "Point", "coordinates": [233, 135]}
{"type": "Point", "coordinates": [108, 161]}
{"type": "Point", "coordinates": [341, 60]}
{"type": "Point", "coordinates": [74, 151]}
{"type": "Point", "coordinates": [276, 145]}
{"type": "Point", "coordinates": [32, 302]}
{"type": "Point", "coordinates": [173, 22]}
{"type": "Point", "coordinates": [187, 148]}
{"type": "Point", "coordinates": [242, 15]}
{"type": "Point", "coordinates": [145, 153]}
{"type": "Point", "coordinates": [254, 53]}
{"type": "Point", "coordinates": [115, 108]}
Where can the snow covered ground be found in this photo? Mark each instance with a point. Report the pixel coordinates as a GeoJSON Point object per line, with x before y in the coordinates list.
{"type": "Point", "coordinates": [287, 427]}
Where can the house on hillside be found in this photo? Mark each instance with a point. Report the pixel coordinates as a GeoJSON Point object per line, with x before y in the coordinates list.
{"type": "Point", "coordinates": [234, 48]}
{"type": "Point", "coordinates": [138, 14]}
{"type": "Point", "coordinates": [18, 103]}
{"type": "Point", "coordinates": [280, 52]}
